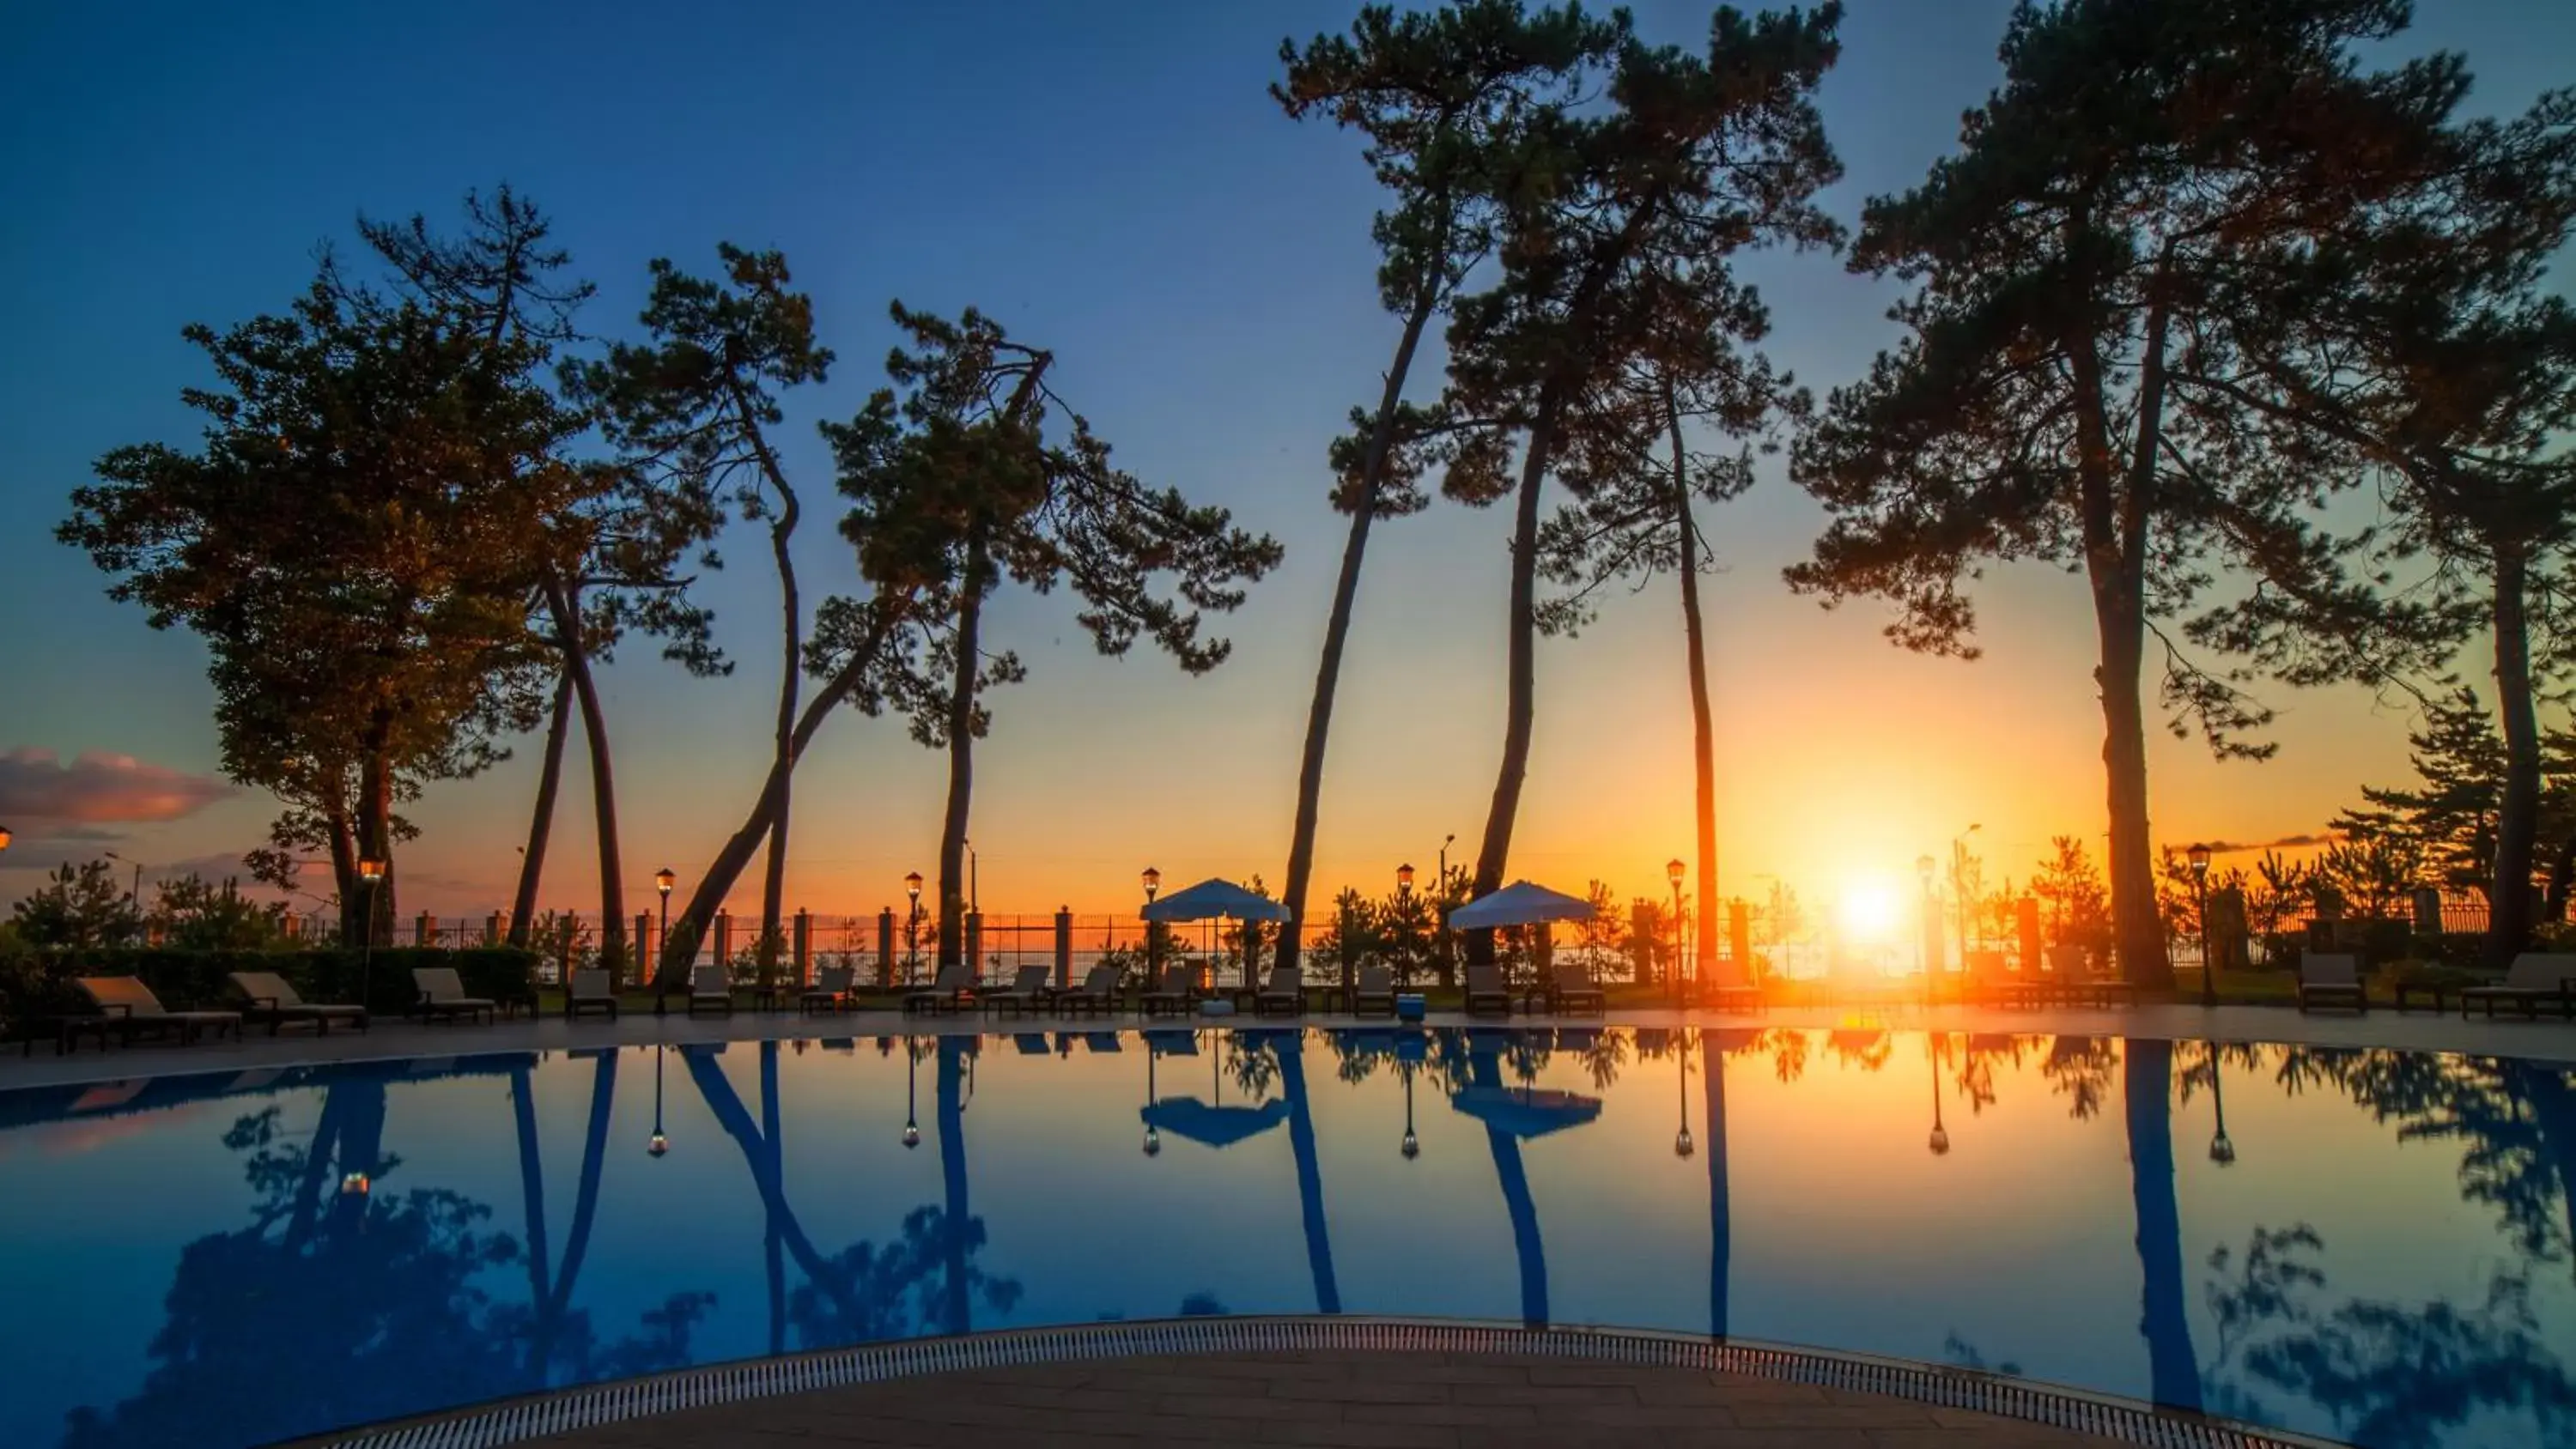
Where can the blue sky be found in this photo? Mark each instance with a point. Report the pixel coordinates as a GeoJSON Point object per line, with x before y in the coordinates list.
{"type": "Point", "coordinates": [1112, 182]}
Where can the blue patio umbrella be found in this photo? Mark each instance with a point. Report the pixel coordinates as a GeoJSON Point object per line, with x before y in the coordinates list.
{"type": "Point", "coordinates": [1213, 900]}
{"type": "Point", "coordinates": [1213, 1126]}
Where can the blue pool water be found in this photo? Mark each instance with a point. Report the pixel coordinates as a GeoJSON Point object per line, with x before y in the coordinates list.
{"type": "Point", "coordinates": [2368, 1245]}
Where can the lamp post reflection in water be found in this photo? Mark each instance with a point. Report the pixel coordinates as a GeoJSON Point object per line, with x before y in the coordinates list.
{"type": "Point", "coordinates": [1682, 1144]}
{"type": "Point", "coordinates": [911, 1094]}
{"type": "Point", "coordinates": [1939, 1142]}
{"type": "Point", "coordinates": [1153, 1137]}
{"type": "Point", "coordinates": [1411, 1146]}
{"type": "Point", "coordinates": [659, 1143]}
{"type": "Point", "coordinates": [2222, 1150]}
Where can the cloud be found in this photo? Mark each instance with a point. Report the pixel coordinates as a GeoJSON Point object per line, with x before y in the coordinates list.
{"type": "Point", "coordinates": [2286, 842]}
{"type": "Point", "coordinates": [98, 788]}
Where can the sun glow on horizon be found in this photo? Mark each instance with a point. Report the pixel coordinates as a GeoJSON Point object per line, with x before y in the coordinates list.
{"type": "Point", "coordinates": [1868, 910]}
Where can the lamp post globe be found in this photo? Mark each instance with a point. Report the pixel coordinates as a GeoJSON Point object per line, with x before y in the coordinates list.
{"type": "Point", "coordinates": [1404, 878]}
{"type": "Point", "coordinates": [1411, 1147]}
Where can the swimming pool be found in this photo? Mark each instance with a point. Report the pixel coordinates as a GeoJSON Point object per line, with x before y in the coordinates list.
{"type": "Point", "coordinates": [2370, 1245]}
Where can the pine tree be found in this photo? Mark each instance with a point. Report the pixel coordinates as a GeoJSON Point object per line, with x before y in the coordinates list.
{"type": "Point", "coordinates": [2117, 220]}
{"type": "Point", "coordinates": [1447, 100]}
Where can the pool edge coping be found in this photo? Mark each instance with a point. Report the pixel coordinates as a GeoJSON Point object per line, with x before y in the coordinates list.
{"type": "Point", "coordinates": [517, 1420]}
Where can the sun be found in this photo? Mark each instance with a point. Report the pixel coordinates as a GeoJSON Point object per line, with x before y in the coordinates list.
{"type": "Point", "coordinates": [1869, 911]}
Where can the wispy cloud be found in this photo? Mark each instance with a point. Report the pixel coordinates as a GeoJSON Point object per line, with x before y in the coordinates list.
{"type": "Point", "coordinates": [37, 787]}
{"type": "Point", "coordinates": [2286, 842]}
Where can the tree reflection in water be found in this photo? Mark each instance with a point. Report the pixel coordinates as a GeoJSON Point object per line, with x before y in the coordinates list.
{"type": "Point", "coordinates": [347, 1299]}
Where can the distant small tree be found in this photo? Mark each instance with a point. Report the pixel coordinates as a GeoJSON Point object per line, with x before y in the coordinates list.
{"type": "Point", "coordinates": [195, 914]}
{"type": "Point", "coordinates": [2077, 904]}
{"type": "Point", "coordinates": [78, 906]}
{"type": "Point", "coordinates": [1604, 938]}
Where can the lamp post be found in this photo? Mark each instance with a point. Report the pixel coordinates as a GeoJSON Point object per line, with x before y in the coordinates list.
{"type": "Point", "coordinates": [1959, 883]}
{"type": "Point", "coordinates": [1153, 880]}
{"type": "Point", "coordinates": [1404, 899]}
{"type": "Point", "coordinates": [1940, 1140]}
{"type": "Point", "coordinates": [371, 869]}
{"type": "Point", "coordinates": [1682, 1145]}
{"type": "Point", "coordinates": [663, 880]}
{"type": "Point", "coordinates": [2198, 855]}
{"type": "Point", "coordinates": [2222, 1150]}
{"type": "Point", "coordinates": [974, 881]}
{"type": "Point", "coordinates": [658, 1144]}
{"type": "Point", "coordinates": [1443, 899]}
{"type": "Point", "coordinates": [1928, 923]}
{"type": "Point", "coordinates": [912, 929]}
{"type": "Point", "coordinates": [1673, 974]}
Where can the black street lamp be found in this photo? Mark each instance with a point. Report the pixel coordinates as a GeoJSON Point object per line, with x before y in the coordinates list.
{"type": "Point", "coordinates": [371, 870]}
{"type": "Point", "coordinates": [1673, 977]}
{"type": "Point", "coordinates": [1928, 924]}
{"type": "Point", "coordinates": [1153, 880]}
{"type": "Point", "coordinates": [912, 928]}
{"type": "Point", "coordinates": [2199, 858]}
{"type": "Point", "coordinates": [1441, 901]}
{"type": "Point", "coordinates": [663, 880]}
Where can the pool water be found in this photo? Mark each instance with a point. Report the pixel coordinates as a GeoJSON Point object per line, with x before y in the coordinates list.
{"type": "Point", "coordinates": [2368, 1245]}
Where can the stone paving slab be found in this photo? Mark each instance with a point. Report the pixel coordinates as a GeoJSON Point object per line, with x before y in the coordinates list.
{"type": "Point", "coordinates": [1346, 1398]}
{"type": "Point", "coordinates": [2420, 1031]}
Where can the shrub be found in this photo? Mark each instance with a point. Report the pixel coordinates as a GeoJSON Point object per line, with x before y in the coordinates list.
{"type": "Point", "coordinates": [39, 983]}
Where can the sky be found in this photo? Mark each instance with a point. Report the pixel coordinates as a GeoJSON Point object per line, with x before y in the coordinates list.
{"type": "Point", "coordinates": [1113, 183]}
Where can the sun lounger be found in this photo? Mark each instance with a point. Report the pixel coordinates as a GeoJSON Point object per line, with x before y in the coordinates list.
{"type": "Point", "coordinates": [711, 987]}
{"type": "Point", "coordinates": [590, 991]}
{"type": "Point", "coordinates": [272, 998]}
{"type": "Point", "coordinates": [830, 991]}
{"type": "Point", "coordinates": [1374, 994]}
{"type": "Point", "coordinates": [1176, 993]}
{"type": "Point", "coordinates": [1098, 992]}
{"type": "Point", "coordinates": [1570, 991]}
{"type": "Point", "coordinates": [127, 1006]}
{"type": "Point", "coordinates": [955, 983]}
{"type": "Point", "coordinates": [442, 996]}
{"type": "Point", "coordinates": [1488, 991]}
{"type": "Point", "coordinates": [2536, 979]}
{"type": "Point", "coordinates": [2331, 981]}
{"type": "Point", "coordinates": [1028, 992]}
{"type": "Point", "coordinates": [1284, 992]}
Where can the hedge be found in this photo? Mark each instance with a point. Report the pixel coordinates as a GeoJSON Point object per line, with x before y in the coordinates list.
{"type": "Point", "coordinates": [39, 983]}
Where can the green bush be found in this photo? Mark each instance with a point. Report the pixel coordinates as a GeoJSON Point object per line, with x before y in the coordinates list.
{"type": "Point", "coordinates": [39, 983]}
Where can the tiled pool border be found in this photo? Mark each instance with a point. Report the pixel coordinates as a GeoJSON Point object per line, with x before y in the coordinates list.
{"type": "Point", "coordinates": [2126, 1420]}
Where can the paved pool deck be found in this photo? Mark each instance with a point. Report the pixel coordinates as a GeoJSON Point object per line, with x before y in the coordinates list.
{"type": "Point", "coordinates": [1389, 1400]}
{"type": "Point", "coordinates": [2547, 1038]}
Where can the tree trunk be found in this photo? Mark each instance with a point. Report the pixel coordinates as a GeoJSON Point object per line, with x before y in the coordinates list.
{"type": "Point", "coordinates": [2173, 1369]}
{"type": "Point", "coordinates": [680, 944]}
{"type": "Point", "coordinates": [961, 757]}
{"type": "Point", "coordinates": [782, 528]}
{"type": "Point", "coordinates": [603, 781]}
{"type": "Point", "coordinates": [1337, 629]}
{"type": "Point", "coordinates": [2518, 816]}
{"type": "Point", "coordinates": [374, 915]}
{"type": "Point", "coordinates": [1521, 671]}
{"type": "Point", "coordinates": [2136, 928]}
{"type": "Point", "coordinates": [1703, 735]}
{"type": "Point", "coordinates": [532, 861]}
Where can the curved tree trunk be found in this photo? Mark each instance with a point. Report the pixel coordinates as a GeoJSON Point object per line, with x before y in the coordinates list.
{"type": "Point", "coordinates": [680, 945]}
{"type": "Point", "coordinates": [532, 861]}
{"type": "Point", "coordinates": [961, 758]}
{"type": "Point", "coordinates": [1337, 630]}
{"type": "Point", "coordinates": [2172, 1367]}
{"type": "Point", "coordinates": [603, 780]}
{"type": "Point", "coordinates": [1521, 674]}
{"type": "Point", "coordinates": [2518, 815]}
{"type": "Point", "coordinates": [2135, 923]}
{"type": "Point", "coordinates": [773, 885]}
{"type": "Point", "coordinates": [1703, 734]}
